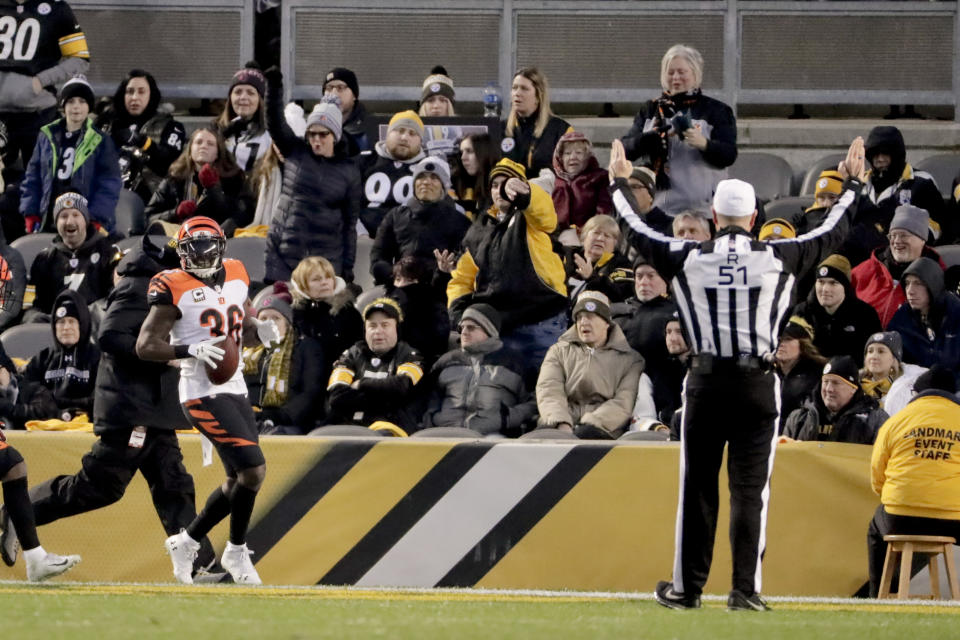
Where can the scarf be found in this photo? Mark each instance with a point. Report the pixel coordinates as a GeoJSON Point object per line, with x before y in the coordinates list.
{"type": "Point", "coordinates": [876, 388]}
{"type": "Point", "coordinates": [276, 386]}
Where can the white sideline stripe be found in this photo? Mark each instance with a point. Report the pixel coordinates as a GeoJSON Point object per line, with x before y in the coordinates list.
{"type": "Point", "coordinates": [52, 587]}
{"type": "Point", "coordinates": [470, 509]}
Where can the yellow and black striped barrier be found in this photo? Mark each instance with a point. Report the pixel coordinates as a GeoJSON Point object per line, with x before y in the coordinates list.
{"type": "Point", "coordinates": [491, 514]}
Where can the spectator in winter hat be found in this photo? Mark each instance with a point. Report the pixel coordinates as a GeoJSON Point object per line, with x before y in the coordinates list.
{"type": "Point", "coordinates": [841, 321]}
{"type": "Point", "coordinates": [80, 258]}
{"type": "Point", "coordinates": [580, 190]}
{"type": "Point", "coordinates": [243, 121]}
{"type": "Point", "coordinates": [876, 281]}
{"type": "Point", "coordinates": [589, 379]}
{"type": "Point", "coordinates": [385, 171]}
{"type": "Point", "coordinates": [320, 197]}
{"type": "Point", "coordinates": [929, 320]}
{"type": "Point", "coordinates": [342, 83]}
{"type": "Point", "coordinates": [885, 376]}
{"type": "Point", "coordinates": [86, 163]}
{"type": "Point", "coordinates": [438, 96]}
{"type": "Point", "coordinates": [427, 223]}
{"type": "Point", "coordinates": [837, 410]}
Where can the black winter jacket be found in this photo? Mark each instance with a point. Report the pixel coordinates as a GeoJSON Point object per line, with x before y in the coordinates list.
{"type": "Point", "coordinates": [319, 202]}
{"type": "Point", "coordinates": [416, 229]}
{"type": "Point", "coordinates": [304, 403]}
{"type": "Point", "coordinates": [130, 391]}
{"type": "Point", "coordinates": [227, 202]}
{"type": "Point", "coordinates": [58, 267]}
{"type": "Point", "coordinates": [858, 422]}
{"type": "Point", "coordinates": [336, 323]}
{"type": "Point", "coordinates": [846, 331]}
{"type": "Point", "coordinates": [385, 387]}
{"type": "Point", "coordinates": [532, 152]}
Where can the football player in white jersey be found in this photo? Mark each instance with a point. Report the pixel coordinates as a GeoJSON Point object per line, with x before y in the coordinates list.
{"type": "Point", "coordinates": [199, 306]}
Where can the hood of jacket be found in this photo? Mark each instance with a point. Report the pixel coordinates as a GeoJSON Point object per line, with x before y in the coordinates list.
{"type": "Point", "coordinates": [82, 311]}
{"type": "Point", "coordinates": [381, 149]}
{"type": "Point", "coordinates": [591, 161]}
{"type": "Point", "coordinates": [930, 273]}
{"type": "Point", "coordinates": [887, 140]}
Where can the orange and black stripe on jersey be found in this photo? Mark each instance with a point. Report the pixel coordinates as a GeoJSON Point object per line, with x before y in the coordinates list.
{"type": "Point", "coordinates": [211, 427]}
{"type": "Point", "coordinates": [167, 287]}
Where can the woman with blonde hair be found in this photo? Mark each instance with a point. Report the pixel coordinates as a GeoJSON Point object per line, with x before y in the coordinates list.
{"type": "Point", "coordinates": [597, 264]}
{"type": "Point", "coordinates": [885, 376]}
{"type": "Point", "coordinates": [531, 131]}
{"type": "Point", "coordinates": [323, 308]}
{"type": "Point", "coordinates": [684, 134]}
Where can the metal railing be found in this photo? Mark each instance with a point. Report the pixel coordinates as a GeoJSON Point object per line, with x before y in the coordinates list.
{"type": "Point", "coordinates": [756, 52]}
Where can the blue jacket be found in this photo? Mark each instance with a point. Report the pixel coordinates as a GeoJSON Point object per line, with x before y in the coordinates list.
{"type": "Point", "coordinates": [938, 343]}
{"type": "Point", "coordinates": [96, 175]}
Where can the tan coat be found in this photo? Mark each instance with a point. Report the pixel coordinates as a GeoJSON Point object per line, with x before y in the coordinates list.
{"type": "Point", "coordinates": [578, 384]}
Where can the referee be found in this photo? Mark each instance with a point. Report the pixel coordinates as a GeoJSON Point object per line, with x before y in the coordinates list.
{"type": "Point", "coordinates": [733, 293]}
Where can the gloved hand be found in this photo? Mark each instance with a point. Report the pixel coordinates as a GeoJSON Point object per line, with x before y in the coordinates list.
{"type": "Point", "coordinates": [267, 331]}
{"type": "Point", "coordinates": [273, 74]}
{"type": "Point", "coordinates": [208, 176]}
{"type": "Point", "coordinates": [31, 223]}
{"type": "Point", "coordinates": [186, 209]}
{"type": "Point", "coordinates": [207, 352]}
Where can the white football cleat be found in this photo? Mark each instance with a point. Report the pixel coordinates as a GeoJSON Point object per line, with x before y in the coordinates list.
{"type": "Point", "coordinates": [183, 551]}
{"type": "Point", "coordinates": [49, 566]}
{"type": "Point", "coordinates": [236, 560]}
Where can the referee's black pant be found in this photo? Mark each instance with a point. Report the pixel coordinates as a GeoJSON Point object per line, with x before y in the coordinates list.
{"type": "Point", "coordinates": [108, 468]}
{"type": "Point", "coordinates": [739, 408]}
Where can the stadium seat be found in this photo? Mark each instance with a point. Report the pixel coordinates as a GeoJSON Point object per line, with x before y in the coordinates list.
{"type": "Point", "coordinates": [904, 547]}
{"type": "Point", "coordinates": [361, 267]}
{"type": "Point", "coordinates": [548, 434]}
{"type": "Point", "coordinates": [129, 214]}
{"type": "Point", "coordinates": [31, 245]}
{"type": "Point", "coordinates": [949, 253]}
{"type": "Point", "coordinates": [944, 167]}
{"type": "Point", "coordinates": [251, 251]}
{"type": "Point", "coordinates": [129, 242]}
{"type": "Point", "coordinates": [646, 436]}
{"type": "Point", "coordinates": [770, 175]}
{"type": "Point", "coordinates": [831, 161]}
{"type": "Point", "coordinates": [353, 430]}
{"type": "Point", "coordinates": [447, 432]}
{"type": "Point", "coordinates": [786, 207]}
{"type": "Point", "coordinates": [26, 340]}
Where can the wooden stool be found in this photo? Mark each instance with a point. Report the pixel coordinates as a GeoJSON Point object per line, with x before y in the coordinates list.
{"type": "Point", "coordinates": [905, 546]}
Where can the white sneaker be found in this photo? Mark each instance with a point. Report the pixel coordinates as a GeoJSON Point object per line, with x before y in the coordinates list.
{"type": "Point", "coordinates": [9, 543]}
{"type": "Point", "coordinates": [183, 551]}
{"type": "Point", "coordinates": [236, 560]}
{"type": "Point", "coordinates": [49, 566]}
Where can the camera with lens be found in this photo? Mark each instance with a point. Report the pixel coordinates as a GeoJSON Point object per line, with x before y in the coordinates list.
{"type": "Point", "coordinates": [680, 122]}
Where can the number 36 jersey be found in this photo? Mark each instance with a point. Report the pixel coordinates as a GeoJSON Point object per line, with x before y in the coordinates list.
{"type": "Point", "coordinates": [205, 312]}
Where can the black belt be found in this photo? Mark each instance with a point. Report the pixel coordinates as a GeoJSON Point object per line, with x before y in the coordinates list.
{"type": "Point", "coordinates": [705, 363]}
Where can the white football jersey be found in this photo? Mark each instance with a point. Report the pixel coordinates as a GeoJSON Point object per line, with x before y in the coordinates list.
{"type": "Point", "coordinates": [205, 312]}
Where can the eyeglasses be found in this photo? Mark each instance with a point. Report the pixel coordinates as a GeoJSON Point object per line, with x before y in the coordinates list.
{"type": "Point", "coordinates": [335, 86]}
{"type": "Point", "coordinates": [319, 134]}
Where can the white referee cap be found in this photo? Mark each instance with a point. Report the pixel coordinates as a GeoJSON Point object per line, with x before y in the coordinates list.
{"type": "Point", "coordinates": [734, 198]}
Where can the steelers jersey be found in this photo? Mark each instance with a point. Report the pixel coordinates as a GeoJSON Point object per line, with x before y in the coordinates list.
{"type": "Point", "coordinates": [204, 312]}
{"type": "Point", "coordinates": [248, 148]}
{"type": "Point", "coordinates": [35, 35]}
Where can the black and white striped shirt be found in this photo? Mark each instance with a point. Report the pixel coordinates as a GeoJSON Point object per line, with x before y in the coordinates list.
{"type": "Point", "coordinates": [734, 292]}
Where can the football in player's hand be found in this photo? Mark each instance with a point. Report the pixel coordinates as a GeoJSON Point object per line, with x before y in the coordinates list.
{"type": "Point", "coordinates": [228, 365]}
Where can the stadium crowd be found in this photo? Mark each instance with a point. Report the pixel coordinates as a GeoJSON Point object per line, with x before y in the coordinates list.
{"type": "Point", "coordinates": [508, 297]}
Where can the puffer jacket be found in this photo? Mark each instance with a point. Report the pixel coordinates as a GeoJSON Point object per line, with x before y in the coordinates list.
{"type": "Point", "coordinates": [228, 202]}
{"type": "Point", "coordinates": [480, 387]}
{"type": "Point", "coordinates": [96, 175]}
{"type": "Point", "coordinates": [936, 338]}
{"type": "Point", "coordinates": [582, 385]}
{"type": "Point", "coordinates": [873, 282]}
{"type": "Point", "coordinates": [87, 269]}
{"type": "Point", "coordinates": [70, 373]}
{"type": "Point", "coordinates": [857, 423]}
{"type": "Point", "coordinates": [131, 391]}
{"type": "Point", "coordinates": [510, 264]}
{"type": "Point", "coordinates": [335, 322]}
{"type": "Point", "coordinates": [319, 201]}
{"type": "Point", "coordinates": [577, 198]}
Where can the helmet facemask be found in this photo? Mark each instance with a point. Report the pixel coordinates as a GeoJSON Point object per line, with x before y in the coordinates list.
{"type": "Point", "coordinates": [202, 254]}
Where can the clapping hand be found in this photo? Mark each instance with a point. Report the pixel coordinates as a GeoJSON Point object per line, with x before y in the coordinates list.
{"type": "Point", "coordinates": [584, 268]}
{"type": "Point", "coordinates": [619, 166]}
{"type": "Point", "coordinates": [854, 164]}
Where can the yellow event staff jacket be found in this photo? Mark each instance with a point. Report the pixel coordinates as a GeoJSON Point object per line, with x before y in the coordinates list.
{"type": "Point", "coordinates": [915, 465]}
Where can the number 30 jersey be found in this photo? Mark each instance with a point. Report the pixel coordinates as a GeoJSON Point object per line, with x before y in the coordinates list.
{"type": "Point", "coordinates": [35, 35]}
{"type": "Point", "coordinates": [205, 312]}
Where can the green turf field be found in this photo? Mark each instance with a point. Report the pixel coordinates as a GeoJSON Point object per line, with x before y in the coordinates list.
{"type": "Point", "coordinates": [139, 612]}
